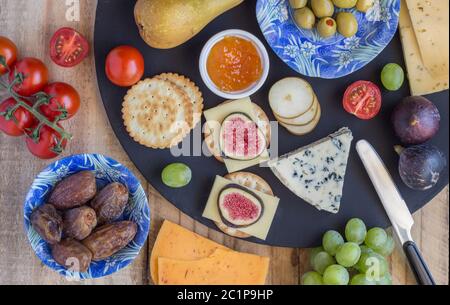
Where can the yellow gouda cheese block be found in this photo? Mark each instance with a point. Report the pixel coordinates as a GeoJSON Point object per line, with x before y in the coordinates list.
{"type": "Point", "coordinates": [420, 80]}
{"type": "Point", "coordinates": [221, 268]}
{"type": "Point", "coordinates": [176, 242]}
{"type": "Point", "coordinates": [430, 20]}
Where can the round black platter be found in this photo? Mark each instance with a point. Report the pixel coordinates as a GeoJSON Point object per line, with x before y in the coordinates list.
{"type": "Point", "coordinates": [296, 223]}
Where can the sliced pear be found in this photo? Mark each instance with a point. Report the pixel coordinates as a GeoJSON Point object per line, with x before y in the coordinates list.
{"type": "Point", "coordinates": [303, 119]}
{"type": "Point", "coordinates": [240, 138]}
{"type": "Point", "coordinates": [305, 129]}
{"type": "Point", "coordinates": [291, 97]}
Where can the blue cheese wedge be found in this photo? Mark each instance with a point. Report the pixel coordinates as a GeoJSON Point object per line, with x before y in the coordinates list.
{"type": "Point", "coordinates": [316, 172]}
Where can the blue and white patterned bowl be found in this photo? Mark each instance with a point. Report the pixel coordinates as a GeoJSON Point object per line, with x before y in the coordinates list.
{"type": "Point", "coordinates": [106, 171]}
{"type": "Point", "coordinates": [311, 55]}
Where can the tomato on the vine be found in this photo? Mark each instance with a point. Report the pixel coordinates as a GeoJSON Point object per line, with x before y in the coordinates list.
{"type": "Point", "coordinates": [8, 51]}
{"type": "Point", "coordinates": [21, 120]}
{"type": "Point", "coordinates": [363, 99]}
{"type": "Point", "coordinates": [35, 75]}
{"type": "Point", "coordinates": [124, 66]}
{"type": "Point", "coordinates": [46, 145]}
{"type": "Point", "coordinates": [68, 47]}
{"type": "Point", "coordinates": [64, 101]}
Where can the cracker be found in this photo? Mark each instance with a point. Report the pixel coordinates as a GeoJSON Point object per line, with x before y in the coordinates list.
{"type": "Point", "coordinates": [263, 123]}
{"type": "Point", "coordinates": [192, 91]}
{"type": "Point", "coordinates": [251, 181]}
{"type": "Point", "coordinates": [157, 113]}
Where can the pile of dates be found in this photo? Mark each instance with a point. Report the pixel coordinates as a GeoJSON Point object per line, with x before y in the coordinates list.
{"type": "Point", "coordinates": [80, 224]}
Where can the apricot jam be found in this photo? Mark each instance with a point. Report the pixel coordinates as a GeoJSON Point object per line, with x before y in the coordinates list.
{"type": "Point", "coordinates": [234, 64]}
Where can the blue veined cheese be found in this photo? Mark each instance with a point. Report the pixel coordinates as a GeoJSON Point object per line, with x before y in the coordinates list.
{"type": "Point", "coordinates": [316, 172]}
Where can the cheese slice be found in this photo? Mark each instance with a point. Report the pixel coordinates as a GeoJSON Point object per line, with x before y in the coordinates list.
{"type": "Point", "coordinates": [261, 228]}
{"type": "Point", "coordinates": [430, 20]}
{"type": "Point", "coordinates": [215, 117]}
{"type": "Point", "coordinates": [176, 242]}
{"type": "Point", "coordinates": [221, 268]}
{"type": "Point", "coordinates": [420, 79]}
{"type": "Point", "coordinates": [316, 172]}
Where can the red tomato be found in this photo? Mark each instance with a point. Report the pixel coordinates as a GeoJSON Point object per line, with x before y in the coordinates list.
{"type": "Point", "coordinates": [35, 76]}
{"type": "Point", "coordinates": [124, 66]}
{"type": "Point", "coordinates": [63, 96]}
{"type": "Point", "coordinates": [363, 99]}
{"type": "Point", "coordinates": [9, 51]}
{"type": "Point", "coordinates": [45, 147]}
{"type": "Point", "coordinates": [23, 119]}
{"type": "Point", "coordinates": [68, 47]}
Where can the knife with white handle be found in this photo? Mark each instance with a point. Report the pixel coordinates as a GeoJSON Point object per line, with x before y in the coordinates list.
{"type": "Point", "coordinates": [396, 209]}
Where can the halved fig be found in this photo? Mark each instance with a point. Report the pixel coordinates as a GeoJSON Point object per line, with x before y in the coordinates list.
{"type": "Point", "coordinates": [239, 207]}
{"type": "Point", "coordinates": [240, 138]}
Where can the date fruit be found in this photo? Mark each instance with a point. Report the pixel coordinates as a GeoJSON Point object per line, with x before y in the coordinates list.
{"type": "Point", "coordinates": [111, 238]}
{"type": "Point", "coordinates": [78, 223]}
{"type": "Point", "coordinates": [72, 254]}
{"type": "Point", "coordinates": [74, 191]}
{"type": "Point", "coordinates": [48, 223]}
{"type": "Point", "coordinates": [110, 202]}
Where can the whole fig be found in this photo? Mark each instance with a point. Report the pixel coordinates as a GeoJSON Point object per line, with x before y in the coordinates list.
{"type": "Point", "coordinates": [48, 223]}
{"type": "Point", "coordinates": [110, 202]}
{"type": "Point", "coordinates": [78, 223]}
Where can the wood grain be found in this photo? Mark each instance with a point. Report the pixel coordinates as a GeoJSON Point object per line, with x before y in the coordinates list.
{"type": "Point", "coordinates": [30, 24]}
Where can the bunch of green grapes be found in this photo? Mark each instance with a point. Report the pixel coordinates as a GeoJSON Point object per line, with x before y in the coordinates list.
{"type": "Point", "coordinates": [360, 260]}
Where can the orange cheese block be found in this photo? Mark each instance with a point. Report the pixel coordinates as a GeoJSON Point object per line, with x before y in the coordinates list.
{"type": "Point", "coordinates": [176, 242]}
{"type": "Point", "coordinates": [223, 267]}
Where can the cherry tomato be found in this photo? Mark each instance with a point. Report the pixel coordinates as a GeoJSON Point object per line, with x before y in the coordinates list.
{"type": "Point", "coordinates": [22, 120]}
{"type": "Point", "coordinates": [35, 76]}
{"type": "Point", "coordinates": [363, 99]}
{"type": "Point", "coordinates": [45, 147]}
{"type": "Point", "coordinates": [63, 96]}
{"type": "Point", "coordinates": [68, 47]}
{"type": "Point", "coordinates": [9, 51]}
{"type": "Point", "coordinates": [124, 66]}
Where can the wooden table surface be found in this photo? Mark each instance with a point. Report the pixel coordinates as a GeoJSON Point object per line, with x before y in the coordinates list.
{"type": "Point", "coordinates": [30, 24]}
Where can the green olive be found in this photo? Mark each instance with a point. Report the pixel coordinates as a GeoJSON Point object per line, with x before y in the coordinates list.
{"type": "Point", "coordinates": [364, 5]}
{"type": "Point", "coordinates": [305, 18]}
{"type": "Point", "coordinates": [296, 4]}
{"type": "Point", "coordinates": [322, 8]}
{"type": "Point", "coordinates": [326, 27]}
{"type": "Point", "coordinates": [346, 24]}
{"type": "Point", "coordinates": [345, 3]}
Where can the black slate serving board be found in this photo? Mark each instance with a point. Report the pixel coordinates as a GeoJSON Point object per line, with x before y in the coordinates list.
{"type": "Point", "coordinates": [296, 223]}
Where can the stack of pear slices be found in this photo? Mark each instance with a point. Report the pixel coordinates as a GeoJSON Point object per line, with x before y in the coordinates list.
{"type": "Point", "coordinates": [295, 105]}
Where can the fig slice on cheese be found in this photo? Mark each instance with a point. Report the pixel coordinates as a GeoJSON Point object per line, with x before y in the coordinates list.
{"type": "Point", "coordinates": [240, 138]}
{"type": "Point", "coordinates": [239, 207]}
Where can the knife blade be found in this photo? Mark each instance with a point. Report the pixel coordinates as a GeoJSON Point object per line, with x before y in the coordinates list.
{"type": "Point", "coordinates": [396, 209]}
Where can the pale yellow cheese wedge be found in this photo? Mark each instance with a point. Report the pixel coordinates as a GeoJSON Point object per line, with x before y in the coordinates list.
{"type": "Point", "coordinates": [430, 20]}
{"type": "Point", "coordinates": [223, 267]}
{"type": "Point", "coordinates": [420, 80]}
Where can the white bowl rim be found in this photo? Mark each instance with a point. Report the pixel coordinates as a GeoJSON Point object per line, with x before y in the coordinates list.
{"type": "Point", "coordinates": [261, 50]}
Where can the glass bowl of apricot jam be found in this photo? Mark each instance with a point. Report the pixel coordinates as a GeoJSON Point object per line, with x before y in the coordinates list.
{"type": "Point", "coordinates": [234, 64]}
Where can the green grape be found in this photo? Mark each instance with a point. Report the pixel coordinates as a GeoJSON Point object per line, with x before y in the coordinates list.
{"type": "Point", "coordinates": [336, 275]}
{"type": "Point", "coordinates": [385, 280]}
{"type": "Point", "coordinates": [365, 249]}
{"type": "Point", "coordinates": [312, 253]}
{"type": "Point", "coordinates": [355, 231]}
{"type": "Point", "coordinates": [348, 254]}
{"type": "Point", "coordinates": [392, 77]}
{"type": "Point", "coordinates": [331, 241]}
{"type": "Point", "coordinates": [321, 261]}
{"type": "Point", "coordinates": [176, 175]}
{"type": "Point", "coordinates": [387, 248]}
{"type": "Point", "coordinates": [312, 278]}
{"type": "Point", "coordinates": [372, 264]}
{"type": "Point", "coordinates": [376, 238]}
{"type": "Point", "coordinates": [361, 279]}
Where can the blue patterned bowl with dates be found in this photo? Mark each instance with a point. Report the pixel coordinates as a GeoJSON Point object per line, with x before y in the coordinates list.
{"type": "Point", "coordinates": [309, 54]}
{"type": "Point", "coordinates": [106, 171]}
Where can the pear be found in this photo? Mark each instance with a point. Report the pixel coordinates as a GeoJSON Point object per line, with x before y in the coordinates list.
{"type": "Point", "coordinates": [166, 24]}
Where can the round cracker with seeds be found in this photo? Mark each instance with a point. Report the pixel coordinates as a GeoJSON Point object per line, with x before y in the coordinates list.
{"type": "Point", "coordinates": [263, 123]}
{"type": "Point", "coordinates": [192, 91]}
{"type": "Point", "coordinates": [253, 182]}
{"type": "Point", "coordinates": [157, 113]}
